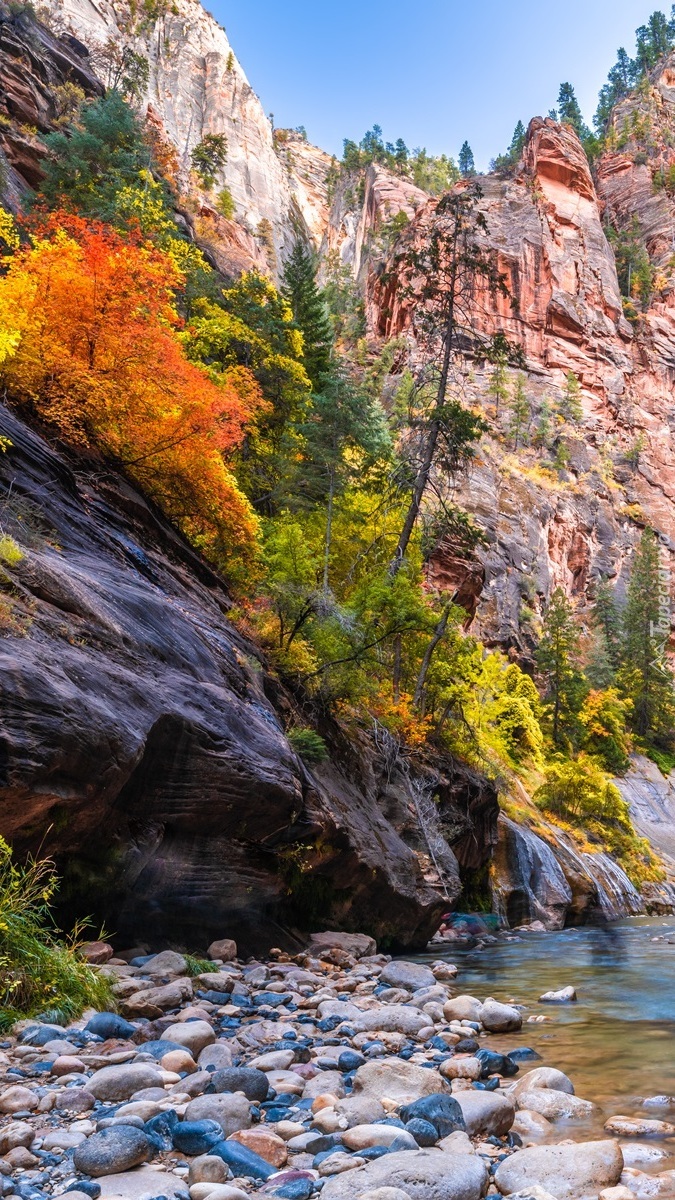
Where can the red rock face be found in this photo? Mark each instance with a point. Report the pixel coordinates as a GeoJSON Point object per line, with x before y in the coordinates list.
{"type": "Point", "coordinates": [545, 226]}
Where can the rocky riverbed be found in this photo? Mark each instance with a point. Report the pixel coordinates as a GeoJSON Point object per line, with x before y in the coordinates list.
{"type": "Point", "coordinates": [336, 1071]}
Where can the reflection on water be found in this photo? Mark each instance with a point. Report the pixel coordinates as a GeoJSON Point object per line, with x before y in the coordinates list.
{"type": "Point", "coordinates": [617, 1043]}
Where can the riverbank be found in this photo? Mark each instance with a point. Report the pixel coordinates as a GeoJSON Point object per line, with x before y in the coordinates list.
{"type": "Point", "coordinates": [337, 1071]}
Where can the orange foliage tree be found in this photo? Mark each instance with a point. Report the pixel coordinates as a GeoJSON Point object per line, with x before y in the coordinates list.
{"type": "Point", "coordinates": [90, 334]}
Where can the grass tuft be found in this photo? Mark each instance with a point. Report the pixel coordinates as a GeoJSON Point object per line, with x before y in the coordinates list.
{"type": "Point", "coordinates": [40, 974]}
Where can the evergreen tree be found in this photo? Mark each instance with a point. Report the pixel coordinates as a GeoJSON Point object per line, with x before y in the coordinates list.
{"type": "Point", "coordinates": [346, 433]}
{"type": "Point", "coordinates": [620, 80]}
{"type": "Point", "coordinates": [440, 277]}
{"type": "Point", "coordinates": [467, 166]}
{"type": "Point", "coordinates": [101, 154]}
{"type": "Point", "coordinates": [543, 429]}
{"type": "Point", "coordinates": [497, 384]}
{"type": "Point", "coordinates": [607, 619]}
{"type": "Point", "coordinates": [209, 157]}
{"type": "Point", "coordinates": [570, 404]}
{"type": "Point", "coordinates": [564, 687]}
{"type": "Point", "coordinates": [645, 676]}
{"type": "Point", "coordinates": [598, 669]}
{"type": "Point", "coordinates": [520, 413]}
{"type": "Point", "coordinates": [569, 112]}
{"type": "Point", "coordinates": [310, 314]}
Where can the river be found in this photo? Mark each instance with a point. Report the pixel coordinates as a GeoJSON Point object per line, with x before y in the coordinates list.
{"type": "Point", "coordinates": [617, 1042]}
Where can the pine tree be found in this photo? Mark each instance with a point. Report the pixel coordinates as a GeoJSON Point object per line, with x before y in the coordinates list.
{"type": "Point", "coordinates": [520, 412]}
{"type": "Point", "coordinates": [345, 434]}
{"type": "Point", "coordinates": [645, 676]}
{"type": "Point", "coordinates": [607, 619]}
{"type": "Point", "coordinates": [517, 142]}
{"type": "Point", "coordinates": [570, 404]}
{"type": "Point", "coordinates": [467, 165]}
{"type": "Point", "coordinates": [497, 384]}
{"type": "Point", "coordinates": [569, 112]}
{"type": "Point", "coordinates": [564, 687]}
{"type": "Point", "coordinates": [543, 429]}
{"type": "Point", "coordinates": [310, 314]}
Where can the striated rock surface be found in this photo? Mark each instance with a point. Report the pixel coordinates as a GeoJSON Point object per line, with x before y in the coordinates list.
{"type": "Point", "coordinates": [136, 726]}
{"type": "Point", "coordinates": [545, 878]}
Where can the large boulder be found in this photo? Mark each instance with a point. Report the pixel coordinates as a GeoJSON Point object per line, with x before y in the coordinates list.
{"type": "Point", "coordinates": [194, 1035]}
{"type": "Point", "coordinates": [395, 1079]}
{"type": "Point", "coordinates": [569, 1172]}
{"type": "Point", "coordinates": [121, 1081]}
{"type": "Point", "coordinates": [555, 1106]}
{"type": "Point", "coordinates": [358, 944]}
{"type": "Point", "coordinates": [440, 1109]}
{"type": "Point", "coordinates": [391, 1018]}
{"type": "Point", "coordinates": [500, 1018]}
{"type": "Point", "coordinates": [231, 1111]}
{"type": "Point", "coordinates": [543, 1077]}
{"type": "Point", "coordinates": [486, 1113]}
{"type": "Point", "coordinates": [167, 962]}
{"type": "Point", "coordinates": [421, 1174]}
{"type": "Point", "coordinates": [408, 975]}
{"type": "Point", "coordinates": [118, 1148]}
{"type": "Point", "coordinates": [463, 1008]}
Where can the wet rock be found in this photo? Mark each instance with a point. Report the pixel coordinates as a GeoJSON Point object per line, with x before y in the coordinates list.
{"type": "Point", "coordinates": [531, 1125]}
{"type": "Point", "coordinates": [243, 1161]}
{"type": "Point", "coordinates": [408, 975]}
{"type": "Point", "coordinates": [253, 1083]}
{"type": "Point", "coordinates": [361, 1137]}
{"type": "Point", "coordinates": [543, 1077]}
{"type": "Point", "coordinates": [463, 1008]}
{"type": "Point", "coordinates": [564, 996]}
{"type": "Point", "coordinates": [223, 949]}
{"type": "Point", "coordinates": [118, 1148]}
{"type": "Point", "coordinates": [120, 1082]}
{"type": "Point", "coordinates": [264, 1143]}
{"type": "Point", "coordinates": [635, 1152]}
{"type": "Point", "coordinates": [500, 1018]}
{"type": "Point", "coordinates": [109, 1025]}
{"type": "Point", "coordinates": [554, 1105]}
{"type": "Point", "coordinates": [394, 1079]}
{"type": "Point", "coordinates": [421, 1174]}
{"type": "Point", "coordinates": [461, 1068]}
{"type": "Point", "coordinates": [393, 1018]}
{"type": "Point", "coordinates": [196, 1137]}
{"type": "Point", "coordinates": [486, 1113]}
{"type": "Point", "coordinates": [232, 1112]}
{"type": "Point", "coordinates": [567, 1171]}
{"type": "Point", "coordinates": [440, 1109]}
{"type": "Point", "coordinates": [639, 1127]}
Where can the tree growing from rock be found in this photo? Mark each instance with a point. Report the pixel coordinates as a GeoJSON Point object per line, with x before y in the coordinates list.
{"type": "Point", "coordinates": [440, 277]}
{"type": "Point", "coordinates": [519, 412]}
{"type": "Point", "coordinates": [209, 157]}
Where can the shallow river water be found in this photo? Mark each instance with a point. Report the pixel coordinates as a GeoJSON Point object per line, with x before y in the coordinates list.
{"type": "Point", "coordinates": [617, 1043]}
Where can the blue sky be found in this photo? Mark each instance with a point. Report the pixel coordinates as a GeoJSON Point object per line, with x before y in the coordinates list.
{"type": "Point", "coordinates": [433, 72]}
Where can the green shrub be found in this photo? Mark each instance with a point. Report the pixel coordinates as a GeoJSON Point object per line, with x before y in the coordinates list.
{"type": "Point", "coordinates": [10, 552]}
{"type": "Point", "coordinates": [309, 745]}
{"type": "Point", "coordinates": [197, 966]}
{"type": "Point", "coordinates": [38, 972]}
{"type": "Point", "coordinates": [225, 203]}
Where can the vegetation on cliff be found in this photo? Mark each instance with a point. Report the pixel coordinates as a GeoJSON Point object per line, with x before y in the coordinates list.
{"type": "Point", "coordinates": [272, 436]}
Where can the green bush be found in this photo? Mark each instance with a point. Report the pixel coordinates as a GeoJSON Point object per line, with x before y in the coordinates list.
{"type": "Point", "coordinates": [197, 966]}
{"type": "Point", "coordinates": [309, 745]}
{"type": "Point", "coordinates": [225, 204]}
{"type": "Point", "coordinates": [38, 972]}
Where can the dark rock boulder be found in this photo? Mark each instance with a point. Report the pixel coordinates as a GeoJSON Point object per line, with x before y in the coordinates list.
{"type": "Point", "coordinates": [142, 731]}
